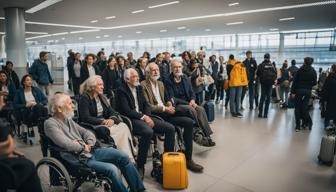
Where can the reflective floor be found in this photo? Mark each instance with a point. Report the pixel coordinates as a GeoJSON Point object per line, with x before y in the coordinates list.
{"type": "Point", "coordinates": [253, 154]}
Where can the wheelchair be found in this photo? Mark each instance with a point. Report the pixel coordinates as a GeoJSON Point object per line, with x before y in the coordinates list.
{"type": "Point", "coordinates": [67, 171]}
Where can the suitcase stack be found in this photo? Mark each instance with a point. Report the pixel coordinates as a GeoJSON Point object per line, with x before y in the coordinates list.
{"type": "Point", "coordinates": [209, 108]}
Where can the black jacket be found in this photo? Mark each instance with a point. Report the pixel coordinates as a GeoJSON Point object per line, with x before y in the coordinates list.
{"type": "Point", "coordinates": [164, 67]}
{"type": "Point", "coordinates": [71, 70]}
{"type": "Point", "coordinates": [111, 80]}
{"type": "Point", "coordinates": [87, 108]}
{"type": "Point", "coordinates": [126, 102]}
{"type": "Point", "coordinates": [84, 72]}
{"type": "Point", "coordinates": [305, 78]}
{"type": "Point", "coordinates": [329, 94]}
{"type": "Point", "coordinates": [172, 90]}
{"type": "Point", "coordinates": [142, 75]}
{"type": "Point", "coordinates": [251, 66]}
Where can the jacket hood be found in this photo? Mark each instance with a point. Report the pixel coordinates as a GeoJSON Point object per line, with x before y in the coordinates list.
{"type": "Point", "coordinates": [232, 61]}
{"type": "Point", "coordinates": [306, 67]}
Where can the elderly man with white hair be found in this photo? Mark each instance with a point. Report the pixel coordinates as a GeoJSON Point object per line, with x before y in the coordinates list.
{"type": "Point", "coordinates": [67, 134]}
{"type": "Point", "coordinates": [161, 105]}
{"type": "Point", "coordinates": [180, 90]}
{"type": "Point", "coordinates": [132, 103]}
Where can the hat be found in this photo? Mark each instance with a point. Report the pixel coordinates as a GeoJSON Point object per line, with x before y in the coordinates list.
{"type": "Point", "coordinates": [267, 56]}
{"type": "Point", "coordinates": [7, 144]}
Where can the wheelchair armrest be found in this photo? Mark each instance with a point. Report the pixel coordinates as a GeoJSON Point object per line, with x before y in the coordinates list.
{"type": "Point", "coordinates": [88, 125]}
{"type": "Point", "coordinates": [127, 121]}
{"type": "Point", "coordinates": [157, 117]}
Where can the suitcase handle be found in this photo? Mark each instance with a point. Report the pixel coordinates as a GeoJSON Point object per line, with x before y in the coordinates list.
{"type": "Point", "coordinates": [173, 154]}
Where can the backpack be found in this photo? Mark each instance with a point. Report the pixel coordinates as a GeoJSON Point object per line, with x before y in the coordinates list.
{"type": "Point", "coordinates": [238, 75]}
{"type": "Point", "coordinates": [268, 73]}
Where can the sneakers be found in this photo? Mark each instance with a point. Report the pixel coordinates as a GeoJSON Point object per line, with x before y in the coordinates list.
{"type": "Point", "coordinates": [194, 167]}
{"type": "Point", "coordinates": [239, 114]}
{"type": "Point", "coordinates": [260, 115]}
{"type": "Point", "coordinates": [217, 101]}
{"type": "Point", "coordinates": [297, 129]}
{"type": "Point", "coordinates": [207, 142]}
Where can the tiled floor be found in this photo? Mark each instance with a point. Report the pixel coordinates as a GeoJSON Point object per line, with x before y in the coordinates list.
{"type": "Point", "coordinates": [252, 154]}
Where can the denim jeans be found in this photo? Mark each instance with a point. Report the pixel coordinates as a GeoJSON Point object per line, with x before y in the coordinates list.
{"type": "Point", "coordinates": [107, 161]}
{"type": "Point", "coordinates": [235, 99]}
{"type": "Point", "coordinates": [265, 98]}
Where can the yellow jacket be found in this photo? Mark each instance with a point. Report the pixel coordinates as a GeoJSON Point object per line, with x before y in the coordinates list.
{"type": "Point", "coordinates": [238, 74]}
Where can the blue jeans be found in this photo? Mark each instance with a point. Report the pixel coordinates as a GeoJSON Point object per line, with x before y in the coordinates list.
{"type": "Point", "coordinates": [235, 99]}
{"type": "Point", "coordinates": [107, 161]}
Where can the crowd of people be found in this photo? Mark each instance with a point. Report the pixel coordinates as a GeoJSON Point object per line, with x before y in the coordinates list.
{"type": "Point", "coordinates": [156, 94]}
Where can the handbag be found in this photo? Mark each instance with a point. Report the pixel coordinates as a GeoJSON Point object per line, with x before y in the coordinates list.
{"type": "Point", "coordinates": [208, 80]}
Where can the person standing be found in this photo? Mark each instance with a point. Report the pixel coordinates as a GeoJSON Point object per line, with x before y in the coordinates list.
{"type": "Point", "coordinates": [131, 62]}
{"type": "Point", "coordinates": [89, 68]}
{"type": "Point", "coordinates": [12, 76]}
{"type": "Point", "coordinates": [251, 66]}
{"type": "Point", "coordinates": [74, 72]}
{"type": "Point", "coordinates": [267, 75]}
{"type": "Point", "coordinates": [283, 81]}
{"type": "Point", "coordinates": [40, 72]}
{"type": "Point", "coordinates": [303, 82]}
{"type": "Point", "coordinates": [328, 96]}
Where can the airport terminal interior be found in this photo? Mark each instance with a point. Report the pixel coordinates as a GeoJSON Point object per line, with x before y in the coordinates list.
{"type": "Point", "coordinates": [164, 95]}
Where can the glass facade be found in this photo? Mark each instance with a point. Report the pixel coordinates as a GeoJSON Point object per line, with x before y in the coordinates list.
{"type": "Point", "coordinates": [317, 44]}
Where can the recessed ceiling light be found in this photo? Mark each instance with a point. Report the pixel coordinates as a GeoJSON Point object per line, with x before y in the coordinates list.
{"type": "Point", "coordinates": [287, 19]}
{"type": "Point", "coordinates": [2, 33]}
{"type": "Point", "coordinates": [56, 41]}
{"type": "Point", "coordinates": [182, 27]}
{"type": "Point", "coordinates": [98, 37]}
{"type": "Point", "coordinates": [163, 30]}
{"type": "Point", "coordinates": [85, 31]}
{"type": "Point", "coordinates": [106, 35]}
{"type": "Point", "coordinates": [138, 11]}
{"type": "Point", "coordinates": [110, 17]}
{"type": "Point", "coordinates": [138, 32]}
{"type": "Point", "coordinates": [235, 23]}
{"type": "Point", "coordinates": [120, 36]}
{"type": "Point", "coordinates": [233, 4]}
{"type": "Point", "coordinates": [164, 4]}
{"type": "Point", "coordinates": [274, 29]}
{"type": "Point", "coordinates": [50, 41]}
{"type": "Point", "coordinates": [207, 30]}
{"type": "Point", "coordinates": [63, 38]}
{"type": "Point", "coordinates": [94, 21]}
{"type": "Point", "coordinates": [42, 5]}
{"type": "Point", "coordinates": [80, 38]}
{"type": "Point", "coordinates": [59, 25]}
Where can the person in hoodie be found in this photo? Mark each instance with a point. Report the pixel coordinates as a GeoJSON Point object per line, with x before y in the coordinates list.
{"type": "Point", "coordinates": [40, 72]}
{"type": "Point", "coordinates": [303, 82]}
{"type": "Point", "coordinates": [251, 67]}
{"type": "Point", "coordinates": [328, 96]}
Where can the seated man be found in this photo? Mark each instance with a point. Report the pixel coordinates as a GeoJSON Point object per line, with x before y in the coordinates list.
{"type": "Point", "coordinates": [67, 134]}
{"type": "Point", "coordinates": [94, 109]}
{"type": "Point", "coordinates": [161, 105]}
{"type": "Point", "coordinates": [132, 103]}
{"type": "Point", "coordinates": [16, 173]}
{"type": "Point", "coordinates": [180, 90]}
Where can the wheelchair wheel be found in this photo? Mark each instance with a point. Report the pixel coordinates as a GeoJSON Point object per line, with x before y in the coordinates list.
{"type": "Point", "coordinates": [198, 135]}
{"type": "Point", "coordinates": [104, 184]}
{"type": "Point", "coordinates": [53, 175]}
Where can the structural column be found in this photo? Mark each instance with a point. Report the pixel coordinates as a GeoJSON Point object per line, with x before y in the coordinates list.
{"type": "Point", "coordinates": [15, 38]}
{"type": "Point", "coordinates": [281, 48]}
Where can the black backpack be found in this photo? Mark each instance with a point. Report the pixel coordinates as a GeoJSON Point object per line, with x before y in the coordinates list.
{"type": "Point", "coordinates": [268, 73]}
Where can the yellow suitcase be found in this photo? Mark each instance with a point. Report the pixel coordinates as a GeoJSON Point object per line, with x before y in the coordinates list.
{"type": "Point", "coordinates": [175, 175]}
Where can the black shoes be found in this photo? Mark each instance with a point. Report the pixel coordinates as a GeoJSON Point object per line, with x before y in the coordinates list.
{"type": "Point", "coordinates": [208, 142]}
{"type": "Point", "coordinates": [194, 167]}
{"type": "Point", "coordinates": [297, 129]}
{"type": "Point", "coordinates": [236, 115]}
{"type": "Point", "coordinates": [260, 115]}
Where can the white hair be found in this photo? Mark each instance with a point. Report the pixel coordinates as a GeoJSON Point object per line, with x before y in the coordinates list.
{"type": "Point", "coordinates": [176, 61]}
{"type": "Point", "coordinates": [89, 84]}
{"type": "Point", "coordinates": [148, 67]}
{"type": "Point", "coordinates": [127, 73]}
{"type": "Point", "coordinates": [57, 100]}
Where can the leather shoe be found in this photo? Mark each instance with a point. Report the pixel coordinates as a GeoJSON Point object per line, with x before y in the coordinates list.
{"type": "Point", "coordinates": [194, 167]}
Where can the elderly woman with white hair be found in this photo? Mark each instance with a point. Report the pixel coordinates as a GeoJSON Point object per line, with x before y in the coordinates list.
{"type": "Point", "coordinates": [95, 109]}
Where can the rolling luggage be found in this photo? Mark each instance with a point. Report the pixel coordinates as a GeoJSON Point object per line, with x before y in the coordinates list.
{"type": "Point", "coordinates": [175, 175]}
{"type": "Point", "coordinates": [210, 111]}
{"type": "Point", "coordinates": [327, 150]}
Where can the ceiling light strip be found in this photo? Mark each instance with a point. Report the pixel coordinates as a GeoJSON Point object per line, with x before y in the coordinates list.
{"type": "Point", "coordinates": [85, 31]}
{"type": "Point", "coordinates": [138, 11]}
{"type": "Point", "coordinates": [42, 5]}
{"type": "Point", "coordinates": [60, 25]}
{"type": "Point", "coordinates": [235, 23]}
{"type": "Point", "coordinates": [233, 4]}
{"type": "Point", "coordinates": [224, 14]}
{"type": "Point", "coordinates": [164, 4]}
{"type": "Point", "coordinates": [287, 19]}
